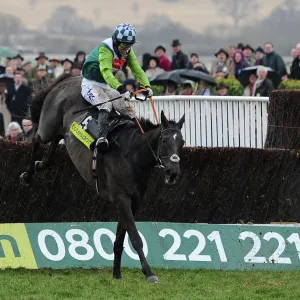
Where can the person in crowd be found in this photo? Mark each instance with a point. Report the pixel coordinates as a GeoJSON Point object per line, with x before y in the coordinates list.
{"type": "Point", "coordinates": [14, 132]}
{"type": "Point", "coordinates": [205, 89]}
{"type": "Point", "coordinates": [67, 65]}
{"type": "Point", "coordinates": [18, 60]}
{"type": "Point", "coordinates": [274, 61]}
{"type": "Point", "coordinates": [27, 129]}
{"type": "Point", "coordinates": [295, 67]}
{"type": "Point", "coordinates": [240, 62]}
{"type": "Point", "coordinates": [76, 69]}
{"type": "Point", "coordinates": [21, 71]}
{"type": "Point", "coordinates": [240, 46]}
{"type": "Point", "coordinates": [248, 90]}
{"type": "Point", "coordinates": [153, 68]}
{"type": "Point", "coordinates": [16, 99]}
{"type": "Point", "coordinates": [222, 89]}
{"type": "Point", "coordinates": [248, 53]}
{"type": "Point", "coordinates": [294, 53]}
{"type": "Point", "coordinates": [145, 61]}
{"type": "Point", "coordinates": [187, 89]}
{"type": "Point", "coordinates": [231, 50]}
{"type": "Point", "coordinates": [41, 62]}
{"type": "Point", "coordinates": [1, 125]}
{"type": "Point", "coordinates": [55, 69]}
{"type": "Point", "coordinates": [171, 89]}
{"type": "Point", "coordinates": [27, 66]}
{"type": "Point", "coordinates": [220, 75]}
{"type": "Point", "coordinates": [259, 54]}
{"type": "Point", "coordinates": [262, 86]}
{"type": "Point", "coordinates": [223, 64]}
{"type": "Point", "coordinates": [80, 57]}
{"type": "Point", "coordinates": [164, 62]}
{"type": "Point", "coordinates": [179, 59]}
{"type": "Point", "coordinates": [130, 84]}
{"type": "Point", "coordinates": [42, 79]}
{"type": "Point", "coordinates": [194, 64]}
{"type": "Point", "coordinates": [9, 71]}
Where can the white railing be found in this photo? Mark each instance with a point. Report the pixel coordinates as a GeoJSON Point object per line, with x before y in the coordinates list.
{"type": "Point", "coordinates": [215, 121]}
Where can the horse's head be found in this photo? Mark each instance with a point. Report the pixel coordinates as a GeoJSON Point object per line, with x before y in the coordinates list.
{"type": "Point", "coordinates": [169, 147]}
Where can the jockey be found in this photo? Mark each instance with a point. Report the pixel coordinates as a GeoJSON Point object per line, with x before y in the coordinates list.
{"type": "Point", "coordinates": [99, 82]}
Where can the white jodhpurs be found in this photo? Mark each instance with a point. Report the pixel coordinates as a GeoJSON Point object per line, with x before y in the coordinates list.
{"type": "Point", "coordinates": [95, 92]}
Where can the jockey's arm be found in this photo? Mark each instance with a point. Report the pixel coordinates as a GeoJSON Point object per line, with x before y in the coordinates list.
{"type": "Point", "coordinates": [105, 62]}
{"type": "Point", "coordinates": [136, 69]}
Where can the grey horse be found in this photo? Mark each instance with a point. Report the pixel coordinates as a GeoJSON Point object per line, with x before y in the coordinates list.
{"type": "Point", "coordinates": [123, 171]}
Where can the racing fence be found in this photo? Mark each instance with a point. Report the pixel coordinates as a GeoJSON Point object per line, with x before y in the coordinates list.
{"type": "Point", "coordinates": [215, 121]}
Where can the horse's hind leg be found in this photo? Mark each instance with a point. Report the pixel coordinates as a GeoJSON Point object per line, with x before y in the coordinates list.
{"type": "Point", "coordinates": [118, 250]}
{"type": "Point", "coordinates": [48, 157]}
{"type": "Point", "coordinates": [26, 177]}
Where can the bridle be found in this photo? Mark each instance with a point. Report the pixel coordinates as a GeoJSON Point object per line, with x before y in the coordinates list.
{"type": "Point", "coordinates": [157, 156]}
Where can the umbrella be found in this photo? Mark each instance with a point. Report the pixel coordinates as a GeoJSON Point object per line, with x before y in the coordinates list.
{"type": "Point", "coordinates": [246, 72]}
{"type": "Point", "coordinates": [6, 52]}
{"type": "Point", "coordinates": [166, 77]}
{"type": "Point", "coordinates": [6, 79]}
{"type": "Point", "coordinates": [198, 76]}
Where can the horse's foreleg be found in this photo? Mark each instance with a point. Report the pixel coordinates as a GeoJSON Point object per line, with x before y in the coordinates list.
{"type": "Point", "coordinates": [48, 158]}
{"type": "Point", "coordinates": [118, 250]}
{"type": "Point", "coordinates": [127, 222]}
{"type": "Point", "coordinates": [26, 177]}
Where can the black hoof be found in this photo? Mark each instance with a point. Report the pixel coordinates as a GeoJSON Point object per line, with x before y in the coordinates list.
{"type": "Point", "coordinates": [38, 165]}
{"type": "Point", "coordinates": [152, 279]}
{"type": "Point", "coordinates": [117, 276]}
{"type": "Point", "coordinates": [24, 179]}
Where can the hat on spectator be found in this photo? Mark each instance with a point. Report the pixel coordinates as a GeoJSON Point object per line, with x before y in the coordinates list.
{"type": "Point", "coordinates": [240, 46]}
{"type": "Point", "coordinates": [41, 68]}
{"type": "Point", "coordinates": [175, 43]}
{"type": "Point", "coordinates": [54, 58]}
{"type": "Point", "coordinates": [247, 46]}
{"type": "Point", "coordinates": [77, 66]}
{"type": "Point", "coordinates": [41, 55]}
{"type": "Point", "coordinates": [66, 59]}
{"type": "Point", "coordinates": [222, 85]}
{"type": "Point", "coordinates": [222, 50]}
{"type": "Point", "coordinates": [18, 56]}
{"type": "Point", "coordinates": [187, 85]}
{"type": "Point", "coordinates": [260, 49]}
{"type": "Point", "coordinates": [160, 48]}
{"type": "Point", "coordinates": [194, 54]}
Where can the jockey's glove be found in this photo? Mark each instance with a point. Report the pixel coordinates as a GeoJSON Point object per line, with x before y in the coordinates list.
{"type": "Point", "coordinates": [126, 95]}
{"type": "Point", "coordinates": [150, 92]}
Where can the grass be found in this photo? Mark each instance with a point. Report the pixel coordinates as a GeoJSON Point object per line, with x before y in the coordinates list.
{"type": "Point", "coordinates": [175, 284]}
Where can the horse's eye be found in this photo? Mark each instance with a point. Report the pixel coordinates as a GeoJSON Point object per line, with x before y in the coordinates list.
{"type": "Point", "coordinates": [164, 141]}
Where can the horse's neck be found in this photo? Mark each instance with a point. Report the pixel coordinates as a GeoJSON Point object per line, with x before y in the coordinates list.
{"type": "Point", "coordinates": [145, 154]}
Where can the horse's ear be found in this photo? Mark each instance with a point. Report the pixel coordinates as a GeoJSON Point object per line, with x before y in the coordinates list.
{"type": "Point", "coordinates": [181, 121]}
{"type": "Point", "coordinates": [164, 120]}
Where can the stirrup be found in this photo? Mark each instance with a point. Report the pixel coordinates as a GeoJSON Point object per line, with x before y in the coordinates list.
{"type": "Point", "coordinates": [102, 144]}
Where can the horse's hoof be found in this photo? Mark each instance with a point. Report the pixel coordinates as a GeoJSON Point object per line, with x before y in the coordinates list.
{"type": "Point", "coordinates": [37, 165]}
{"type": "Point", "coordinates": [117, 276]}
{"type": "Point", "coordinates": [24, 179]}
{"type": "Point", "coordinates": [152, 279]}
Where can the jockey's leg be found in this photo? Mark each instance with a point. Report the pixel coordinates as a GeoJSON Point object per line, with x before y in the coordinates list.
{"type": "Point", "coordinates": [96, 93]}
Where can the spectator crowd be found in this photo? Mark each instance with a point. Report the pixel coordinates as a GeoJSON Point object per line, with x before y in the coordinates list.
{"type": "Point", "coordinates": [20, 79]}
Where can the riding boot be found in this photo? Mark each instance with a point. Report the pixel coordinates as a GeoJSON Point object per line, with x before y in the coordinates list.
{"type": "Point", "coordinates": [103, 127]}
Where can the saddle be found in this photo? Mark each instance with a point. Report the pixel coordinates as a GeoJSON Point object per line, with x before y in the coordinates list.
{"type": "Point", "coordinates": [87, 129]}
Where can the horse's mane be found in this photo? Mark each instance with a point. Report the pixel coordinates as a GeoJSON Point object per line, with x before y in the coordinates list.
{"type": "Point", "coordinates": [147, 125]}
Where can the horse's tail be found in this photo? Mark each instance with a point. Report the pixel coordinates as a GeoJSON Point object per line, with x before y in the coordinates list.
{"type": "Point", "coordinates": [38, 99]}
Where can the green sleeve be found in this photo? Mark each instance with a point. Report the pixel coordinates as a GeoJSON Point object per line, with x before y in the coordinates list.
{"type": "Point", "coordinates": [136, 69]}
{"type": "Point", "coordinates": [105, 61]}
